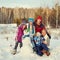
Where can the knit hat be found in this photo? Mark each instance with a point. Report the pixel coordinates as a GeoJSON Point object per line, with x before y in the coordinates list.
{"type": "Point", "coordinates": [39, 17]}
{"type": "Point", "coordinates": [24, 20]}
{"type": "Point", "coordinates": [30, 19]}
{"type": "Point", "coordinates": [23, 23]}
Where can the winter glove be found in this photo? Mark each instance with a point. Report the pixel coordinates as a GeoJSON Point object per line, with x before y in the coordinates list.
{"type": "Point", "coordinates": [21, 44]}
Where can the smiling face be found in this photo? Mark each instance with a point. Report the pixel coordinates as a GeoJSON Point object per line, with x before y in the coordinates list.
{"type": "Point", "coordinates": [38, 22]}
{"type": "Point", "coordinates": [43, 32]}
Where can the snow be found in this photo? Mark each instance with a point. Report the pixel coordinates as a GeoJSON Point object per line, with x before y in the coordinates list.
{"type": "Point", "coordinates": [7, 42]}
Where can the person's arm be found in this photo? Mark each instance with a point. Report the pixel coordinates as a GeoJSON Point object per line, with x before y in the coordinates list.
{"type": "Point", "coordinates": [48, 35]}
{"type": "Point", "coordinates": [44, 42]}
{"type": "Point", "coordinates": [46, 31]}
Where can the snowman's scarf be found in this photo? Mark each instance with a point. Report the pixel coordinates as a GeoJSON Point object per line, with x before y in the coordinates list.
{"type": "Point", "coordinates": [28, 30]}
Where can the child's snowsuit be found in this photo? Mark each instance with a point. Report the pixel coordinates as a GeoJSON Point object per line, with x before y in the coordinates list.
{"type": "Point", "coordinates": [19, 36]}
{"type": "Point", "coordinates": [39, 45]}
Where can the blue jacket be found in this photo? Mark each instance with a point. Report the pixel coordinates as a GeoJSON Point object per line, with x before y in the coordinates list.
{"type": "Point", "coordinates": [38, 40]}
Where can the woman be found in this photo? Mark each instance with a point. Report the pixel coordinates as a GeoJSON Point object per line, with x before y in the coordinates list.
{"type": "Point", "coordinates": [39, 27]}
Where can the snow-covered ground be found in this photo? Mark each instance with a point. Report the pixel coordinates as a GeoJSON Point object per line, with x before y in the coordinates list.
{"type": "Point", "coordinates": [7, 35]}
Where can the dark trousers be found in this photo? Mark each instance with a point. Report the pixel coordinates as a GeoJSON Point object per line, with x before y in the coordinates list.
{"type": "Point", "coordinates": [16, 45]}
{"type": "Point", "coordinates": [40, 48]}
{"type": "Point", "coordinates": [44, 46]}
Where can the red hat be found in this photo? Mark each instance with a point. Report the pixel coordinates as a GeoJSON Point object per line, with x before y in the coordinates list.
{"type": "Point", "coordinates": [39, 17]}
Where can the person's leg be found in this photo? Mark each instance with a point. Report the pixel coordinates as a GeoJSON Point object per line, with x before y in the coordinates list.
{"type": "Point", "coordinates": [16, 45]}
{"type": "Point", "coordinates": [44, 46]}
{"type": "Point", "coordinates": [39, 51]}
{"type": "Point", "coordinates": [21, 44]}
{"type": "Point", "coordinates": [45, 49]}
{"type": "Point", "coordinates": [15, 48]}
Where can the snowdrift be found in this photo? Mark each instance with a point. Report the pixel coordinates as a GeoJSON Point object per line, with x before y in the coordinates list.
{"type": "Point", "coordinates": [7, 35]}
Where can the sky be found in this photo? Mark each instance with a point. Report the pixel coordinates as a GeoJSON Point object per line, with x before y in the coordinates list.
{"type": "Point", "coordinates": [28, 3]}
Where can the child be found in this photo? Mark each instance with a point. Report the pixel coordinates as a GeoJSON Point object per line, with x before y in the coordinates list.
{"type": "Point", "coordinates": [47, 40]}
{"type": "Point", "coordinates": [40, 45]}
{"type": "Point", "coordinates": [19, 35]}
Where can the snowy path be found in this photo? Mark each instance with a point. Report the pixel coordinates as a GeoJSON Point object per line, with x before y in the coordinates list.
{"type": "Point", "coordinates": [26, 51]}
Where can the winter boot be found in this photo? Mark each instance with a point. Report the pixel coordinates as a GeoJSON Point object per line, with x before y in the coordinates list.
{"type": "Point", "coordinates": [14, 51]}
{"type": "Point", "coordinates": [45, 52]}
